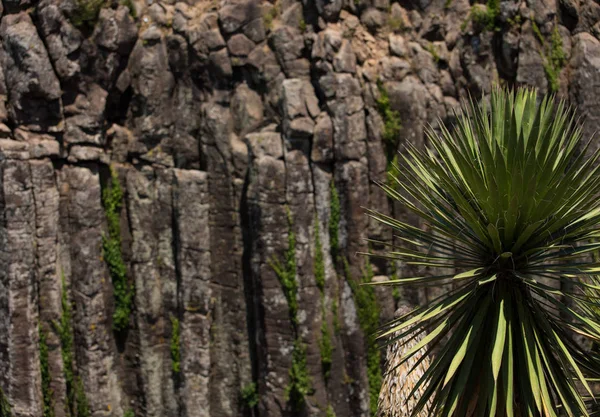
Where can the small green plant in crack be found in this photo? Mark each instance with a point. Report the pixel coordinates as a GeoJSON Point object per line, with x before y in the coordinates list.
{"type": "Point", "coordinates": [302, 25]}
{"type": "Point", "coordinates": [83, 407]}
{"type": "Point", "coordinates": [325, 348]}
{"type": "Point", "coordinates": [395, 24]}
{"type": "Point", "coordinates": [515, 21]}
{"type": "Point", "coordinates": [485, 18]}
{"type": "Point", "coordinates": [300, 384]}
{"type": "Point", "coordinates": [270, 16]}
{"type": "Point", "coordinates": [334, 221]}
{"type": "Point", "coordinates": [129, 413]}
{"type": "Point", "coordinates": [85, 14]}
{"type": "Point", "coordinates": [553, 55]}
{"type": "Point", "coordinates": [129, 4]}
{"type": "Point", "coordinates": [319, 265]}
{"type": "Point", "coordinates": [286, 271]}
{"type": "Point", "coordinates": [337, 326]}
{"type": "Point", "coordinates": [391, 120]}
{"type": "Point", "coordinates": [250, 396]}
{"type": "Point", "coordinates": [325, 345]}
{"type": "Point", "coordinates": [5, 410]}
{"type": "Point", "coordinates": [434, 52]}
{"type": "Point", "coordinates": [47, 394]}
{"type": "Point", "coordinates": [330, 412]}
{"type": "Point", "coordinates": [112, 197]}
{"type": "Point", "coordinates": [368, 317]}
{"type": "Point", "coordinates": [77, 404]}
{"type": "Point", "coordinates": [175, 345]}
{"type": "Point", "coordinates": [392, 172]}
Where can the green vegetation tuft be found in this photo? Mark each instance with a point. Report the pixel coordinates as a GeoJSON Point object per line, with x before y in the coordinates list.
{"type": "Point", "coordinates": [334, 221]}
{"type": "Point", "coordinates": [286, 272]}
{"type": "Point", "coordinates": [65, 333]}
{"type": "Point", "coordinates": [487, 18]}
{"type": "Point", "coordinates": [337, 326]}
{"type": "Point", "coordinates": [77, 403]}
{"type": "Point", "coordinates": [112, 197]}
{"type": "Point", "coordinates": [537, 32]}
{"type": "Point", "coordinates": [129, 4]}
{"type": "Point", "coordinates": [391, 121]}
{"type": "Point", "coordinates": [319, 264]}
{"type": "Point", "coordinates": [83, 407]}
{"type": "Point", "coordinates": [250, 396]}
{"type": "Point", "coordinates": [368, 317]}
{"type": "Point", "coordinates": [433, 51]}
{"type": "Point", "coordinates": [330, 412]}
{"type": "Point", "coordinates": [325, 348]}
{"type": "Point", "coordinates": [325, 344]}
{"type": "Point", "coordinates": [129, 413]}
{"type": "Point", "coordinates": [302, 25]}
{"type": "Point", "coordinates": [516, 21]}
{"type": "Point", "coordinates": [392, 172]}
{"type": "Point", "coordinates": [395, 289]}
{"type": "Point", "coordinates": [395, 24]}
{"type": "Point", "coordinates": [270, 16]}
{"type": "Point", "coordinates": [300, 384]}
{"type": "Point", "coordinates": [86, 13]}
{"type": "Point", "coordinates": [5, 410]}
{"type": "Point", "coordinates": [47, 394]}
{"type": "Point", "coordinates": [553, 55]}
{"type": "Point", "coordinates": [175, 345]}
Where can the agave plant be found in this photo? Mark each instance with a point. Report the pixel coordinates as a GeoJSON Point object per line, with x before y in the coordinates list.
{"type": "Point", "coordinates": [510, 202]}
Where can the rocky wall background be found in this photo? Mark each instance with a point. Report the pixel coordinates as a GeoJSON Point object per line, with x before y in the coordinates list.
{"type": "Point", "coordinates": [182, 187]}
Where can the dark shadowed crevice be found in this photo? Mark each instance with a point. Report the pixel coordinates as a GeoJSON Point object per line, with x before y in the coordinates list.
{"type": "Point", "coordinates": [117, 106]}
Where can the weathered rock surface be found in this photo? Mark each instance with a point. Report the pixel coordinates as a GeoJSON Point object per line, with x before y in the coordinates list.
{"type": "Point", "coordinates": [228, 125]}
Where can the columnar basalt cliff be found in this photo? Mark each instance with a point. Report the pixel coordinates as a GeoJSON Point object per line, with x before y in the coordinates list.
{"type": "Point", "coordinates": [166, 169]}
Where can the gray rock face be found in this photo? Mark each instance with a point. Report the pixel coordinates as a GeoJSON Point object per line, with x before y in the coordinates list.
{"type": "Point", "coordinates": [223, 121]}
{"type": "Point", "coordinates": [33, 89]}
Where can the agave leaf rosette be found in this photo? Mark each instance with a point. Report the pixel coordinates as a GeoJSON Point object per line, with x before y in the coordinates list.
{"type": "Point", "coordinates": [510, 201]}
